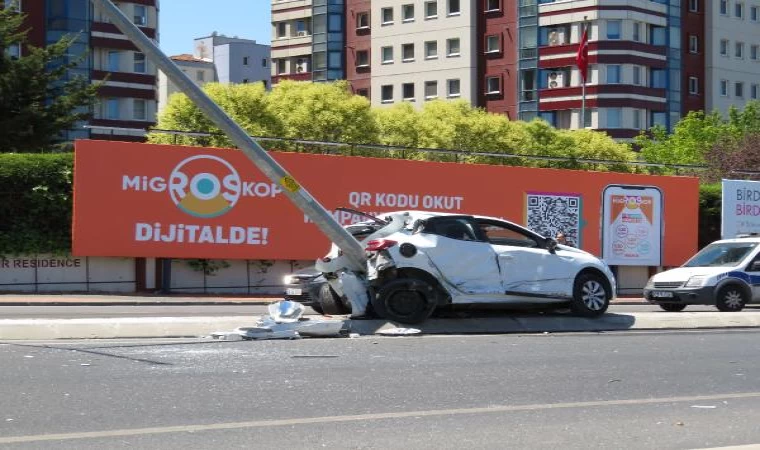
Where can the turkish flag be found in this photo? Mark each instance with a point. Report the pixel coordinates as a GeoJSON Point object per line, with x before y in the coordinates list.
{"type": "Point", "coordinates": [581, 59]}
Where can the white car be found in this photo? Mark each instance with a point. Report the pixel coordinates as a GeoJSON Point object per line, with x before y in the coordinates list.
{"type": "Point", "coordinates": [418, 261]}
{"type": "Point", "coordinates": [726, 274]}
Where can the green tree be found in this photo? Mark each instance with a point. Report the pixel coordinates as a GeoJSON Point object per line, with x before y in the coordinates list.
{"type": "Point", "coordinates": [37, 101]}
{"type": "Point", "coordinates": [692, 137]}
{"type": "Point", "coordinates": [245, 103]}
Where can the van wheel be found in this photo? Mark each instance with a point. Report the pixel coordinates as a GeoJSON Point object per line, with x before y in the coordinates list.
{"type": "Point", "coordinates": [329, 302]}
{"type": "Point", "coordinates": [590, 296]}
{"type": "Point", "coordinates": [672, 307]}
{"type": "Point", "coordinates": [405, 300]}
{"type": "Point", "coordinates": [731, 298]}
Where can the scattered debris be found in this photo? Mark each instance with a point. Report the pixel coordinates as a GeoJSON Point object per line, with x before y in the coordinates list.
{"type": "Point", "coordinates": [614, 381]}
{"type": "Point", "coordinates": [85, 364]}
{"type": "Point", "coordinates": [399, 332]}
{"type": "Point", "coordinates": [704, 406]}
{"type": "Point", "coordinates": [315, 356]}
{"type": "Point", "coordinates": [354, 335]}
{"type": "Point", "coordinates": [28, 356]}
{"type": "Point", "coordinates": [286, 311]}
{"type": "Point", "coordinates": [284, 322]}
{"type": "Point", "coordinates": [9, 420]}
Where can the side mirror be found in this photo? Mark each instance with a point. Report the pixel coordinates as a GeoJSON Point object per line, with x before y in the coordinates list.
{"type": "Point", "coordinates": [551, 245]}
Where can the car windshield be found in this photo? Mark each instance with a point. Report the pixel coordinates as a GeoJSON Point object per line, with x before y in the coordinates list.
{"type": "Point", "coordinates": [727, 254]}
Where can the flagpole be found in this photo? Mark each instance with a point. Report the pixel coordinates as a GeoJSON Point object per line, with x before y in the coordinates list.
{"type": "Point", "coordinates": [584, 28]}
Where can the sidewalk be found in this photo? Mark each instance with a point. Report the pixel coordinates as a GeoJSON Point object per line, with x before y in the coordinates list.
{"type": "Point", "coordinates": [49, 299]}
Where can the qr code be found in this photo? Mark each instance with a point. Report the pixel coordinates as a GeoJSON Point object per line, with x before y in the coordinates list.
{"type": "Point", "coordinates": [550, 214]}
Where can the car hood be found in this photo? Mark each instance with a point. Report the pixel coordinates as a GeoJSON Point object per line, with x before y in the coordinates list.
{"type": "Point", "coordinates": [683, 274]}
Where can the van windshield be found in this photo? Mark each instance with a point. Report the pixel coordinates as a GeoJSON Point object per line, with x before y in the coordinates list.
{"type": "Point", "coordinates": [727, 254]}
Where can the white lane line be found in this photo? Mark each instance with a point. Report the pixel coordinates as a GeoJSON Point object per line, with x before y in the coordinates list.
{"type": "Point", "coordinates": [364, 417]}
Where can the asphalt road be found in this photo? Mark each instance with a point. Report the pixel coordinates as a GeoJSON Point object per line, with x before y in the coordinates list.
{"type": "Point", "coordinates": [70, 312]}
{"type": "Point", "coordinates": [575, 391]}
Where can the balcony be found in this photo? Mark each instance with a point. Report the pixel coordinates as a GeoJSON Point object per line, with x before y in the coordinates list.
{"type": "Point", "coordinates": [303, 76]}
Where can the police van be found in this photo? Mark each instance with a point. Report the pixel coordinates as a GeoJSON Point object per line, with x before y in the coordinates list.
{"type": "Point", "coordinates": [726, 274]}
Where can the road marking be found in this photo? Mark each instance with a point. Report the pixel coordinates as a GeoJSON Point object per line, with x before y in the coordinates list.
{"type": "Point", "coordinates": [363, 417]}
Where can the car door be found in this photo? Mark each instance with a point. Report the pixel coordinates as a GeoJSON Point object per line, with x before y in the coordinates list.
{"type": "Point", "coordinates": [463, 258]}
{"type": "Point", "coordinates": [527, 267]}
{"type": "Point", "coordinates": [753, 270]}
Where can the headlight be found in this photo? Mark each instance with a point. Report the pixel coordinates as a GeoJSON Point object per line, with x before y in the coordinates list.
{"type": "Point", "coordinates": [650, 283]}
{"type": "Point", "coordinates": [288, 279]}
{"type": "Point", "coordinates": [697, 281]}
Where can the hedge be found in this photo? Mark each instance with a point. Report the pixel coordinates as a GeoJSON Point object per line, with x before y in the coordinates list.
{"type": "Point", "coordinates": [36, 193]}
{"type": "Point", "coordinates": [35, 203]}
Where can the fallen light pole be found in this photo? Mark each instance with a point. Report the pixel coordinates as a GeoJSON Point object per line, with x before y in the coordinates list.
{"type": "Point", "coordinates": [290, 187]}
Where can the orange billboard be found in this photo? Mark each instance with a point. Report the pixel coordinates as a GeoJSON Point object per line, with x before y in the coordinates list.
{"type": "Point", "coordinates": [144, 200]}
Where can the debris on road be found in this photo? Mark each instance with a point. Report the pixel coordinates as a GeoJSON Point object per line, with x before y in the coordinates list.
{"type": "Point", "coordinates": [704, 406]}
{"type": "Point", "coordinates": [284, 322]}
{"type": "Point", "coordinates": [286, 311]}
{"type": "Point", "coordinates": [399, 332]}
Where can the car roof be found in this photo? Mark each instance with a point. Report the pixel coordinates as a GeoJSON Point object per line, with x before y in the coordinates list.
{"type": "Point", "coordinates": [423, 215]}
{"type": "Point", "coordinates": [749, 239]}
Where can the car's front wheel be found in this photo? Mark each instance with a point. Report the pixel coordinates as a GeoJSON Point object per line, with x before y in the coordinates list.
{"type": "Point", "coordinates": [405, 300]}
{"type": "Point", "coordinates": [591, 296]}
{"type": "Point", "coordinates": [672, 307]}
{"type": "Point", "coordinates": [329, 301]}
{"type": "Point", "coordinates": [731, 298]}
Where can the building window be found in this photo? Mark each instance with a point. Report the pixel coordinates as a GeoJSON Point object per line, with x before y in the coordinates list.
{"type": "Point", "coordinates": [431, 49]}
{"type": "Point", "coordinates": [637, 119]}
{"type": "Point", "coordinates": [431, 90]}
{"type": "Point", "coordinates": [739, 10]}
{"type": "Point", "coordinates": [753, 91]}
{"type": "Point", "coordinates": [114, 59]}
{"type": "Point", "coordinates": [739, 89]}
{"type": "Point", "coordinates": [453, 88]}
{"type": "Point", "coordinates": [407, 52]}
{"type": "Point", "coordinates": [739, 50]}
{"type": "Point", "coordinates": [657, 35]}
{"type": "Point", "coordinates": [753, 50]}
{"type": "Point", "coordinates": [281, 66]}
{"type": "Point", "coordinates": [493, 5]}
{"type": "Point", "coordinates": [753, 15]}
{"type": "Point", "coordinates": [386, 55]}
{"type": "Point", "coordinates": [139, 62]}
{"type": "Point", "coordinates": [263, 62]}
{"type": "Point", "coordinates": [724, 47]}
{"type": "Point", "coordinates": [14, 51]}
{"type": "Point", "coordinates": [724, 88]}
{"type": "Point", "coordinates": [362, 21]}
{"type": "Point", "coordinates": [454, 8]}
{"type": "Point", "coordinates": [407, 89]}
{"type": "Point", "coordinates": [613, 74]}
{"type": "Point", "coordinates": [431, 10]}
{"type": "Point", "coordinates": [13, 5]}
{"type": "Point", "coordinates": [614, 117]}
{"type": "Point", "coordinates": [282, 30]}
{"type": "Point", "coordinates": [387, 15]}
{"type": "Point", "coordinates": [301, 28]}
{"type": "Point", "coordinates": [493, 85]}
{"type": "Point", "coordinates": [362, 58]}
{"type": "Point", "coordinates": [693, 44]}
{"type": "Point", "coordinates": [658, 78]}
{"type": "Point", "coordinates": [452, 47]}
{"type": "Point", "coordinates": [112, 109]}
{"type": "Point", "coordinates": [386, 93]}
{"type": "Point", "coordinates": [407, 13]}
{"type": "Point", "coordinates": [139, 109]}
{"type": "Point", "coordinates": [637, 75]}
{"type": "Point", "coordinates": [637, 31]}
{"type": "Point", "coordinates": [493, 43]}
{"type": "Point", "coordinates": [200, 75]}
{"type": "Point", "coordinates": [693, 85]}
{"type": "Point", "coordinates": [245, 60]}
{"type": "Point", "coordinates": [694, 5]}
{"type": "Point", "coordinates": [724, 7]}
{"type": "Point", "coordinates": [141, 15]}
{"type": "Point", "coordinates": [363, 92]}
{"type": "Point", "coordinates": [613, 29]}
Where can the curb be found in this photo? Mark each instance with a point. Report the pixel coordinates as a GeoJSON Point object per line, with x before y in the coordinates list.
{"type": "Point", "coordinates": [171, 327]}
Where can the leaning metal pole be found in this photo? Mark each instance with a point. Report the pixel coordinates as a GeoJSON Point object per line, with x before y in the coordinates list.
{"type": "Point", "coordinates": [290, 187]}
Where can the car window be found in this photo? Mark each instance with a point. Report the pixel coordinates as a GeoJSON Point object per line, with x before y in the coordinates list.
{"type": "Point", "coordinates": [454, 228]}
{"type": "Point", "coordinates": [725, 254]}
{"type": "Point", "coordinates": [501, 235]}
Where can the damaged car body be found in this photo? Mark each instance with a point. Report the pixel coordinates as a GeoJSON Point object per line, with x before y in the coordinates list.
{"type": "Point", "coordinates": [419, 261]}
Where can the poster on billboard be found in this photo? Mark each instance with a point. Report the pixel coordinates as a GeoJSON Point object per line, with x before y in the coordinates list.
{"type": "Point", "coordinates": [632, 225]}
{"type": "Point", "coordinates": [740, 208]}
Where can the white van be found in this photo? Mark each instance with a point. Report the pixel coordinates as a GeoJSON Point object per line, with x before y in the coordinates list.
{"type": "Point", "coordinates": [726, 274]}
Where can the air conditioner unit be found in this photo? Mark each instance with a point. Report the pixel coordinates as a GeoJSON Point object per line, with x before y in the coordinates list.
{"type": "Point", "coordinates": [556, 36]}
{"type": "Point", "coordinates": [302, 66]}
{"type": "Point", "coordinates": [556, 80]}
{"type": "Point", "coordinates": [302, 34]}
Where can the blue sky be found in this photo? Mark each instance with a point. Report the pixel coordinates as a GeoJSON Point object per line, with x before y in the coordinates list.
{"type": "Point", "coordinates": [184, 20]}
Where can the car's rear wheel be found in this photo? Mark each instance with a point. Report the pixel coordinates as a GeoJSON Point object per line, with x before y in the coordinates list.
{"type": "Point", "coordinates": [672, 307]}
{"type": "Point", "coordinates": [330, 302]}
{"type": "Point", "coordinates": [591, 296]}
{"type": "Point", "coordinates": [731, 298]}
{"type": "Point", "coordinates": [405, 300]}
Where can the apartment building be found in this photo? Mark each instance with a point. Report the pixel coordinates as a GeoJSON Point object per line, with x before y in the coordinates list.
{"type": "Point", "coordinates": [201, 71]}
{"type": "Point", "coordinates": [127, 99]}
{"type": "Point", "coordinates": [732, 53]}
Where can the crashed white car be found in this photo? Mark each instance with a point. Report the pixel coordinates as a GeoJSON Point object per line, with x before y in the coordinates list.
{"type": "Point", "coordinates": [418, 261]}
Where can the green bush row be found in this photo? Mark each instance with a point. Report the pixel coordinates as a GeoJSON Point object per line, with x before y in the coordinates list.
{"type": "Point", "coordinates": [36, 205]}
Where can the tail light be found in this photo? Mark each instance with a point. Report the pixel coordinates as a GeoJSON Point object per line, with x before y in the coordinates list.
{"type": "Point", "coordinates": [377, 245]}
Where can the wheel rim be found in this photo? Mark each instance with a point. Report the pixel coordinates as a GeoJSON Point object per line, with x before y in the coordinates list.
{"type": "Point", "coordinates": [405, 303]}
{"type": "Point", "coordinates": [593, 295]}
{"type": "Point", "coordinates": [733, 299]}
